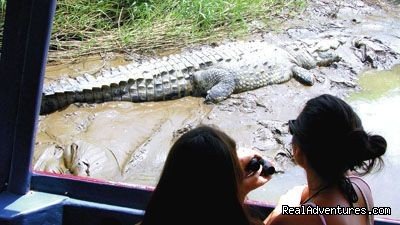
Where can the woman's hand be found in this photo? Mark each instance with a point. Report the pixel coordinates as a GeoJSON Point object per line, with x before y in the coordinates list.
{"type": "Point", "coordinates": [252, 180]}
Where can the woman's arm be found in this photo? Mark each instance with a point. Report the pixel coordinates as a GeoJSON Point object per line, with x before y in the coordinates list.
{"type": "Point", "coordinates": [291, 198]}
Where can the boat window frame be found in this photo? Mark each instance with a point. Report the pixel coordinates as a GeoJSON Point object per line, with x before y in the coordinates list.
{"type": "Point", "coordinates": [26, 38]}
{"type": "Point", "coordinates": [26, 34]}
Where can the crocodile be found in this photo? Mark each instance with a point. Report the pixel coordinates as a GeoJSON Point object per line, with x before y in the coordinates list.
{"type": "Point", "coordinates": [213, 72]}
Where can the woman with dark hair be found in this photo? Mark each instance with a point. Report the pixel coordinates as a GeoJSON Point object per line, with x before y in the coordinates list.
{"type": "Point", "coordinates": [330, 144]}
{"type": "Point", "coordinates": [203, 182]}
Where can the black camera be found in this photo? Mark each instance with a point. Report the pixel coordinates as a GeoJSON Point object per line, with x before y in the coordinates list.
{"type": "Point", "coordinates": [256, 162]}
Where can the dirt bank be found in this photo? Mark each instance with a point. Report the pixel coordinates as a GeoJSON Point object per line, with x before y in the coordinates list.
{"type": "Point", "coordinates": [128, 142]}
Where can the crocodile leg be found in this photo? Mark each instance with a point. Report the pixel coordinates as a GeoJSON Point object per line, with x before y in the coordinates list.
{"type": "Point", "coordinates": [303, 76]}
{"type": "Point", "coordinates": [217, 84]}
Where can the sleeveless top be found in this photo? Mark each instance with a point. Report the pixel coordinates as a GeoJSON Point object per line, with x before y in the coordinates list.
{"type": "Point", "coordinates": [369, 207]}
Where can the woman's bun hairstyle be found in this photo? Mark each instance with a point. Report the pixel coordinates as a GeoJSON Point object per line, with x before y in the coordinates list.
{"type": "Point", "coordinates": [331, 135]}
{"type": "Point", "coordinates": [364, 150]}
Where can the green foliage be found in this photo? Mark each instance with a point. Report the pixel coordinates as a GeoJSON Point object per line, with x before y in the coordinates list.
{"type": "Point", "coordinates": [2, 17]}
{"type": "Point", "coordinates": [148, 24]}
{"type": "Point", "coordinates": [2, 11]}
{"type": "Point", "coordinates": [2, 7]}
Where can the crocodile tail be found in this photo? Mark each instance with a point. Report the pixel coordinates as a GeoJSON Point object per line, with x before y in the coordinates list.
{"type": "Point", "coordinates": [160, 87]}
{"type": "Point", "coordinates": [53, 102]}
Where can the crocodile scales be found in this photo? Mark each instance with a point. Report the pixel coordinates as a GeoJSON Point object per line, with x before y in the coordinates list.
{"type": "Point", "coordinates": [213, 72]}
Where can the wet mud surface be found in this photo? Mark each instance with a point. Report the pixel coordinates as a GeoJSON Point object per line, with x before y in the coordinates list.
{"type": "Point", "coordinates": [128, 142]}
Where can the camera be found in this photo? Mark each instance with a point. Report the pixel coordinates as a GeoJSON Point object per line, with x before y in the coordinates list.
{"type": "Point", "coordinates": [256, 162]}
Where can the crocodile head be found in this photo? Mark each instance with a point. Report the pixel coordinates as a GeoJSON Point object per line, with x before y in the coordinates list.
{"type": "Point", "coordinates": [317, 53]}
{"type": "Point", "coordinates": [326, 58]}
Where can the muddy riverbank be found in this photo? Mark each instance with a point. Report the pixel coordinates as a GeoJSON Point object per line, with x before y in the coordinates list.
{"type": "Point", "coordinates": [128, 142]}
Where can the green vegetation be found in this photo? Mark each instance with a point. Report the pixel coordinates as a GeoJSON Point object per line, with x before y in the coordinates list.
{"type": "Point", "coordinates": [87, 26]}
{"type": "Point", "coordinates": [2, 11]}
{"type": "Point", "coordinates": [2, 7]}
{"type": "Point", "coordinates": [92, 26]}
{"type": "Point", "coordinates": [2, 15]}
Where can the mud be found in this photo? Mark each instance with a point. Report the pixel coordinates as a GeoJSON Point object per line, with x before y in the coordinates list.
{"type": "Point", "coordinates": [128, 142]}
{"type": "Point", "coordinates": [122, 133]}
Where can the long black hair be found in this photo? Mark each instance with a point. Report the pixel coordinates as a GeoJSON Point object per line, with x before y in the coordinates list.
{"type": "Point", "coordinates": [332, 137]}
{"type": "Point", "coordinates": [200, 182]}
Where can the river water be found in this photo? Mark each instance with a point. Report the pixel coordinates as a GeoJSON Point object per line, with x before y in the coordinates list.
{"type": "Point", "coordinates": [378, 105]}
